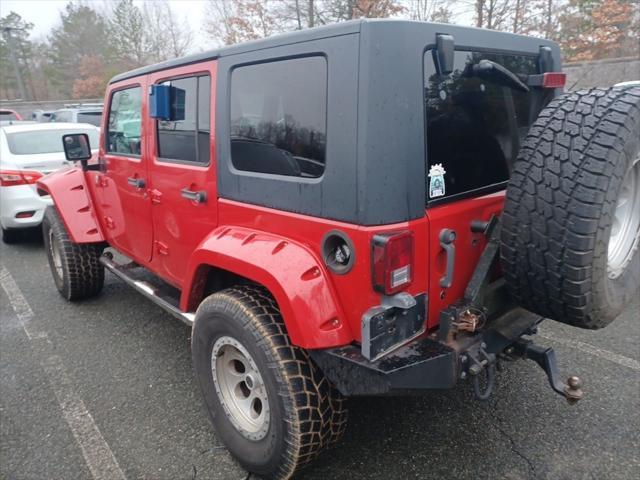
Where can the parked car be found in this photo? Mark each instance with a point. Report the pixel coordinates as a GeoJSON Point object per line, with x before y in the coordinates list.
{"type": "Point", "coordinates": [41, 116]}
{"type": "Point", "coordinates": [368, 208]}
{"type": "Point", "coordinates": [9, 115]}
{"type": "Point", "coordinates": [91, 115]}
{"type": "Point", "coordinates": [27, 152]}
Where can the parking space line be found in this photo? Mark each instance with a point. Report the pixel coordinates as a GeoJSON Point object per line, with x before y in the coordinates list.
{"type": "Point", "coordinates": [98, 456]}
{"type": "Point", "coordinates": [595, 351]}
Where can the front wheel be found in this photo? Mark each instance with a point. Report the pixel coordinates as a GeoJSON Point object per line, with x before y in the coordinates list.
{"type": "Point", "coordinates": [76, 268]}
{"type": "Point", "coordinates": [271, 406]}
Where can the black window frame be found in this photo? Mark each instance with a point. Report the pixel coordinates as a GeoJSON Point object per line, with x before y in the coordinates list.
{"type": "Point", "coordinates": [478, 192]}
{"type": "Point", "coordinates": [197, 76]}
{"type": "Point", "coordinates": [108, 115]}
{"type": "Point", "coordinates": [288, 178]}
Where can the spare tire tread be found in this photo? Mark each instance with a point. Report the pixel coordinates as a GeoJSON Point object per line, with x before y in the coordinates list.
{"type": "Point", "coordinates": [552, 215]}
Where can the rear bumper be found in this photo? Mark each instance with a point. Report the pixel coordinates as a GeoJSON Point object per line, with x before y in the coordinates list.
{"type": "Point", "coordinates": [423, 364]}
{"type": "Point", "coordinates": [21, 198]}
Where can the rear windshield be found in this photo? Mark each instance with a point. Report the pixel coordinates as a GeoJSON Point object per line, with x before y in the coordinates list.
{"type": "Point", "coordinates": [475, 125]}
{"type": "Point", "coordinates": [93, 118]}
{"type": "Point", "coordinates": [44, 141]}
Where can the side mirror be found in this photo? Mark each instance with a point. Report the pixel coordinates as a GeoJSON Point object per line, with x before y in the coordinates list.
{"type": "Point", "coordinates": [77, 148]}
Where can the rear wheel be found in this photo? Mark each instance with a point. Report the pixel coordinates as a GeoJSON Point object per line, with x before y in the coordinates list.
{"type": "Point", "coordinates": [571, 221]}
{"type": "Point", "coordinates": [76, 268]}
{"type": "Point", "coordinates": [269, 403]}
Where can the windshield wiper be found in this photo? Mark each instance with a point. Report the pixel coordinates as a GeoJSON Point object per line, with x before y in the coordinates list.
{"type": "Point", "coordinates": [495, 73]}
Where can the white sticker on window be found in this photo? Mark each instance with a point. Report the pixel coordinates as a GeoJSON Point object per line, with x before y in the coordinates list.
{"type": "Point", "coordinates": [436, 181]}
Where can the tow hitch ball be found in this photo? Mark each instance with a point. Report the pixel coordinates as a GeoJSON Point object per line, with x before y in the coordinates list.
{"type": "Point", "coordinates": [546, 359]}
{"type": "Point", "coordinates": [475, 363]}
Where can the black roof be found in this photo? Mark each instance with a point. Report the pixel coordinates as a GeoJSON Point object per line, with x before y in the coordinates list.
{"type": "Point", "coordinates": [297, 36]}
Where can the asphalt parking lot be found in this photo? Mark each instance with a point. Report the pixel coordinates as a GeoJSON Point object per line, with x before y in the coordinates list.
{"type": "Point", "coordinates": [103, 389]}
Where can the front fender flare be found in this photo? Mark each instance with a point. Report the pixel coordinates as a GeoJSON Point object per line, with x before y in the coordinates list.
{"type": "Point", "coordinates": [289, 270]}
{"type": "Point", "coordinates": [68, 189]}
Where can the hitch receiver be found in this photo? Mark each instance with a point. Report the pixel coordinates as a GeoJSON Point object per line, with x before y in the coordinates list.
{"type": "Point", "coordinates": [545, 357]}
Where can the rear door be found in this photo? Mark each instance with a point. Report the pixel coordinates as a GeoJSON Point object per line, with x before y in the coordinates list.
{"type": "Point", "coordinates": [474, 130]}
{"type": "Point", "coordinates": [121, 187]}
{"type": "Point", "coordinates": [183, 187]}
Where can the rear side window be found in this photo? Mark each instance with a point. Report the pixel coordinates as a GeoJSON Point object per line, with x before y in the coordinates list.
{"type": "Point", "coordinates": [93, 118]}
{"type": "Point", "coordinates": [186, 138]}
{"type": "Point", "coordinates": [279, 117]}
{"type": "Point", "coordinates": [124, 126]}
{"type": "Point", "coordinates": [475, 126]}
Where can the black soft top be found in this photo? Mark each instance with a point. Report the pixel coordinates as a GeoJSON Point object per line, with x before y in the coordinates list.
{"type": "Point", "coordinates": [297, 36]}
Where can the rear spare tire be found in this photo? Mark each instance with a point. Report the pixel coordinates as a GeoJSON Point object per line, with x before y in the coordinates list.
{"type": "Point", "coordinates": [571, 220]}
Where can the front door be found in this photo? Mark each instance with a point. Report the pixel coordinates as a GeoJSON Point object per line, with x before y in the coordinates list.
{"type": "Point", "coordinates": [121, 186]}
{"type": "Point", "coordinates": [182, 168]}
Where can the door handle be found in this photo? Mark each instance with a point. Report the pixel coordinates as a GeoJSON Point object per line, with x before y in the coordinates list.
{"type": "Point", "coordinates": [199, 197]}
{"type": "Point", "coordinates": [136, 182]}
{"type": "Point", "coordinates": [447, 237]}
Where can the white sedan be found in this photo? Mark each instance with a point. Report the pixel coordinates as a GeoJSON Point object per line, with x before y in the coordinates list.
{"type": "Point", "coordinates": [28, 152]}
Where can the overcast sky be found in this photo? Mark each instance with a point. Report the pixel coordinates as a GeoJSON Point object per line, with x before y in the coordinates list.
{"type": "Point", "coordinates": [45, 14]}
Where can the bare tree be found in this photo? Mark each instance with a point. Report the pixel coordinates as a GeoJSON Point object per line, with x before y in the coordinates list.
{"type": "Point", "coordinates": [430, 10]}
{"type": "Point", "coordinates": [167, 35]}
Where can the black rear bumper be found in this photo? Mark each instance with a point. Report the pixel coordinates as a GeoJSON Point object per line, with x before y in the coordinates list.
{"type": "Point", "coordinates": [423, 364]}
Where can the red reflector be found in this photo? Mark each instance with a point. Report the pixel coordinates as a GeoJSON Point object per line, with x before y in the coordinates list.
{"type": "Point", "coordinates": [392, 262]}
{"type": "Point", "coordinates": [554, 79]}
{"type": "Point", "coordinates": [25, 214]}
{"type": "Point", "coordinates": [10, 178]}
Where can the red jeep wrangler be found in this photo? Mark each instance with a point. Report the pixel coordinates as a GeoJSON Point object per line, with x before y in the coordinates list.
{"type": "Point", "coordinates": [369, 208]}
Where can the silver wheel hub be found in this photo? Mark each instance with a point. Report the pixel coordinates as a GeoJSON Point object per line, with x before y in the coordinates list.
{"type": "Point", "coordinates": [625, 228]}
{"type": "Point", "coordinates": [54, 250]}
{"type": "Point", "coordinates": [240, 388]}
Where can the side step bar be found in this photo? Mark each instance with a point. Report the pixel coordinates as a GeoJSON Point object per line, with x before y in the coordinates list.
{"type": "Point", "coordinates": [154, 294]}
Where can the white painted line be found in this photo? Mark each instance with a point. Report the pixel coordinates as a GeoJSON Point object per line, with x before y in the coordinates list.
{"type": "Point", "coordinates": [595, 351]}
{"type": "Point", "coordinates": [96, 452]}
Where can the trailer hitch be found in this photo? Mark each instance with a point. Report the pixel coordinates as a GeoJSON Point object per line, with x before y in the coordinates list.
{"type": "Point", "coordinates": [545, 357]}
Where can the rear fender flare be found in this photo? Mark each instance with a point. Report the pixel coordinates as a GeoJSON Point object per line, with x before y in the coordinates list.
{"type": "Point", "coordinates": [68, 189]}
{"type": "Point", "coordinates": [290, 271]}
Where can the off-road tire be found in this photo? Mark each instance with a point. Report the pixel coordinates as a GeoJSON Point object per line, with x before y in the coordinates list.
{"type": "Point", "coordinates": [560, 206]}
{"type": "Point", "coordinates": [10, 236]}
{"type": "Point", "coordinates": [82, 274]}
{"type": "Point", "coordinates": [307, 413]}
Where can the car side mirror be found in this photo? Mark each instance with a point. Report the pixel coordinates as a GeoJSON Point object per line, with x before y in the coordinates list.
{"type": "Point", "coordinates": [77, 148]}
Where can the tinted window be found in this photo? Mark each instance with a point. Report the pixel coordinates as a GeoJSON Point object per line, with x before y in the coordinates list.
{"type": "Point", "coordinates": [93, 118]}
{"type": "Point", "coordinates": [45, 141]}
{"type": "Point", "coordinates": [279, 117]}
{"type": "Point", "coordinates": [474, 125]}
{"type": "Point", "coordinates": [187, 137]}
{"type": "Point", "coordinates": [124, 126]}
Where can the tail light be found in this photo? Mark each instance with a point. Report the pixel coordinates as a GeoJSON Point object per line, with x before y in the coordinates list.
{"type": "Point", "coordinates": [554, 79]}
{"type": "Point", "coordinates": [10, 178]}
{"type": "Point", "coordinates": [392, 261]}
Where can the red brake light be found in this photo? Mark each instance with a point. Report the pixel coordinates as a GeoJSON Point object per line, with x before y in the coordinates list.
{"type": "Point", "coordinates": [554, 79]}
{"type": "Point", "coordinates": [392, 262]}
{"type": "Point", "coordinates": [10, 178]}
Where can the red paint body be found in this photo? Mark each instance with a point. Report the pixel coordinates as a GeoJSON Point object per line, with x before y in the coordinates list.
{"type": "Point", "coordinates": [180, 240]}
